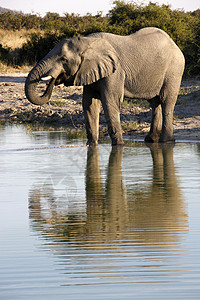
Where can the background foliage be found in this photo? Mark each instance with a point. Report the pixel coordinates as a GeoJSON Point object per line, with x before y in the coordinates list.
{"type": "Point", "coordinates": [124, 18]}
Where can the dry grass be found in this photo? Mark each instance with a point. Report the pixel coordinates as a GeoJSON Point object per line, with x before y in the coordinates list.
{"type": "Point", "coordinates": [5, 69]}
{"type": "Point", "coordinates": [14, 39]}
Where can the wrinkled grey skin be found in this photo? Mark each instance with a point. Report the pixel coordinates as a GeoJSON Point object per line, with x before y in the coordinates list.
{"type": "Point", "coordinates": [146, 65]}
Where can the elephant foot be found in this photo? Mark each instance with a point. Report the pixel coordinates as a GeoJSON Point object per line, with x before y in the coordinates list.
{"type": "Point", "coordinates": [92, 143]}
{"type": "Point", "coordinates": [150, 138]}
{"type": "Point", "coordinates": [171, 140]}
{"type": "Point", "coordinates": [167, 139]}
{"type": "Point", "coordinates": [117, 142]}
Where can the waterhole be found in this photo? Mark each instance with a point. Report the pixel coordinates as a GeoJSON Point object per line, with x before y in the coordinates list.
{"type": "Point", "coordinates": [103, 223]}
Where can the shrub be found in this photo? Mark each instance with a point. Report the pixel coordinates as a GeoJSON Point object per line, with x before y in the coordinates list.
{"type": "Point", "coordinates": [124, 18]}
{"type": "Point", "coordinates": [37, 47]}
{"type": "Point", "coordinates": [4, 54]}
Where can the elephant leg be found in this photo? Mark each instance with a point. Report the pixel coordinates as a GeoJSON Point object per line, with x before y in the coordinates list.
{"type": "Point", "coordinates": [156, 121]}
{"type": "Point", "coordinates": [111, 108]}
{"type": "Point", "coordinates": [91, 108]}
{"type": "Point", "coordinates": [169, 96]}
{"type": "Point", "coordinates": [112, 95]}
{"type": "Point", "coordinates": [167, 128]}
{"type": "Point", "coordinates": [112, 116]}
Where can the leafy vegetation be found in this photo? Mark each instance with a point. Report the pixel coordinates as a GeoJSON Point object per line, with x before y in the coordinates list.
{"type": "Point", "coordinates": [124, 18]}
{"type": "Point", "coordinates": [4, 54]}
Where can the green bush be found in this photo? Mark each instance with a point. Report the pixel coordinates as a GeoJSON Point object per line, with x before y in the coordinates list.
{"type": "Point", "coordinates": [183, 28]}
{"type": "Point", "coordinates": [124, 18]}
{"type": "Point", "coordinates": [4, 54]}
{"type": "Point", "coordinates": [37, 47]}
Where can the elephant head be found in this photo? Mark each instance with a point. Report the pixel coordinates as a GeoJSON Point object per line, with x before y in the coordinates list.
{"type": "Point", "coordinates": [75, 61]}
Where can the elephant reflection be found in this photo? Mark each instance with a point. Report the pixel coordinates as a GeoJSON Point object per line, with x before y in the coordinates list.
{"type": "Point", "coordinates": [106, 206]}
{"type": "Point", "coordinates": [158, 210]}
{"type": "Point", "coordinates": [152, 214]}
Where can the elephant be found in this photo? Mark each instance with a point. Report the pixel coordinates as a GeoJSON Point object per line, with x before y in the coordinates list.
{"type": "Point", "coordinates": [145, 65]}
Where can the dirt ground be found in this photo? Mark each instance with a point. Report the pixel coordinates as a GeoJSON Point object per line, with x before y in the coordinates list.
{"type": "Point", "coordinates": [65, 109]}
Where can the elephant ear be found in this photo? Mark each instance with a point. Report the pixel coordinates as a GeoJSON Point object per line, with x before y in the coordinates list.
{"type": "Point", "coordinates": [98, 61]}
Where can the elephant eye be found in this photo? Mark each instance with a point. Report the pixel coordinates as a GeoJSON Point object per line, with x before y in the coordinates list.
{"type": "Point", "coordinates": [64, 59]}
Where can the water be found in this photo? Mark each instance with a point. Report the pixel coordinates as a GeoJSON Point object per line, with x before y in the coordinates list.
{"type": "Point", "coordinates": [102, 224]}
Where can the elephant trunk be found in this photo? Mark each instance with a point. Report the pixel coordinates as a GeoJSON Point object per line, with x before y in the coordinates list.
{"type": "Point", "coordinates": [32, 82]}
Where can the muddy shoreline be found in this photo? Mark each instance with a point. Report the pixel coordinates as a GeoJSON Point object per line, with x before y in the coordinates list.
{"type": "Point", "coordinates": [65, 109]}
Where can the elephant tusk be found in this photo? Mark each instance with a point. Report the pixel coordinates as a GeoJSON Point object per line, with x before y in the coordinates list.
{"type": "Point", "coordinates": [46, 78]}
